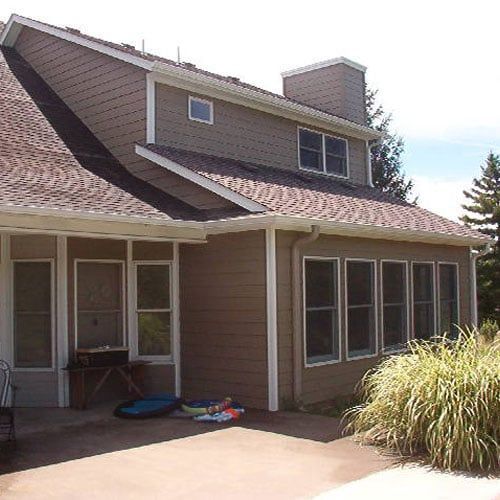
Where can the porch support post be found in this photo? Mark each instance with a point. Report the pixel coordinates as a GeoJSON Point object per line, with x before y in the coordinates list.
{"type": "Point", "coordinates": [130, 302]}
{"type": "Point", "coordinates": [176, 331]}
{"type": "Point", "coordinates": [272, 320]}
{"type": "Point", "coordinates": [62, 320]}
{"type": "Point", "coordinates": [6, 351]}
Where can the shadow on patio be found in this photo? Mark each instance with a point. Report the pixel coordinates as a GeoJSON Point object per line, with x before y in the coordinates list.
{"type": "Point", "coordinates": [49, 436]}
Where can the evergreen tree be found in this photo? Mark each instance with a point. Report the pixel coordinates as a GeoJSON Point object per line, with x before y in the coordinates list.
{"type": "Point", "coordinates": [484, 215]}
{"type": "Point", "coordinates": [387, 164]}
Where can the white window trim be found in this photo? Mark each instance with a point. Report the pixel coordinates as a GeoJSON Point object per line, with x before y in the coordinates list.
{"type": "Point", "coordinates": [134, 340]}
{"type": "Point", "coordinates": [388, 350]}
{"type": "Point", "coordinates": [304, 310]}
{"type": "Point", "coordinates": [434, 296]}
{"type": "Point", "coordinates": [375, 309]}
{"type": "Point", "coordinates": [457, 284]}
{"type": "Point", "coordinates": [123, 295]}
{"type": "Point", "coordinates": [51, 368]}
{"type": "Point", "coordinates": [323, 151]}
{"type": "Point", "coordinates": [210, 121]}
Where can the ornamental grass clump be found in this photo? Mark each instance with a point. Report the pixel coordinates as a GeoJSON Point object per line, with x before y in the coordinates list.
{"type": "Point", "coordinates": [441, 400]}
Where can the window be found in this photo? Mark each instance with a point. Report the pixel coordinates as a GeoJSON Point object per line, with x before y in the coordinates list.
{"type": "Point", "coordinates": [423, 300]}
{"type": "Point", "coordinates": [33, 321]}
{"type": "Point", "coordinates": [321, 310]}
{"type": "Point", "coordinates": [200, 110]}
{"type": "Point", "coordinates": [394, 305]}
{"type": "Point", "coordinates": [99, 303]}
{"type": "Point", "coordinates": [361, 313]}
{"type": "Point", "coordinates": [153, 309]}
{"type": "Point", "coordinates": [323, 153]}
{"type": "Point", "coordinates": [448, 298]}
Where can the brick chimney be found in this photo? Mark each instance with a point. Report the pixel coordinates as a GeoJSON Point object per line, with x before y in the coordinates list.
{"type": "Point", "coordinates": [336, 86]}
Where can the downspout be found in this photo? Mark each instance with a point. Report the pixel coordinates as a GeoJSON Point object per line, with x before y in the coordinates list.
{"type": "Point", "coordinates": [298, 357]}
{"type": "Point", "coordinates": [369, 172]}
{"type": "Point", "coordinates": [474, 255]}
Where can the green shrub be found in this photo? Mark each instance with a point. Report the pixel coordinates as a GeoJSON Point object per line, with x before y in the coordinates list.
{"type": "Point", "coordinates": [440, 400]}
{"type": "Point", "coordinates": [489, 330]}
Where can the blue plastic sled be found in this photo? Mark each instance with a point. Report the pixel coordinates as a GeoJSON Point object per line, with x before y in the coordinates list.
{"type": "Point", "coordinates": [152, 406]}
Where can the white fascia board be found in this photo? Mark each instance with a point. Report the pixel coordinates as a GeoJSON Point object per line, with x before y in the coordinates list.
{"type": "Point", "coordinates": [15, 23]}
{"type": "Point", "coordinates": [324, 64]}
{"type": "Point", "coordinates": [290, 223]}
{"type": "Point", "coordinates": [200, 180]}
{"type": "Point", "coordinates": [198, 82]}
{"type": "Point", "coordinates": [176, 76]}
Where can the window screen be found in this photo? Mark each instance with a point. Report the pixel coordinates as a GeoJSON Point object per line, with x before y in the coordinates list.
{"type": "Point", "coordinates": [448, 299]}
{"type": "Point", "coordinates": [32, 314]}
{"type": "Point", "coordinates": [423, 300]}
{"type": "Point", "coordinates": [321, 310]}
{"type": "Point", "coordinates": [361, 328]}
{"type": "Point", "coordinates": [394, 300]}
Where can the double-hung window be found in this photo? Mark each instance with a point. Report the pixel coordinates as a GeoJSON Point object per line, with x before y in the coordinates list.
{"type": "Point", "coordinates": [423, 300]}
{"type": "Point", "coordinates": [321, 299]}
{"type": "Point", "coordinates": [394, 304]}
{"type": "Point", "coordinates": [154, 310]}
{"type": "Point", "coordinates": [323, 153]}
{"type": "Point", "coordinates": [448, 298]}
{"type": "Point", "coordinates": [361, 308]}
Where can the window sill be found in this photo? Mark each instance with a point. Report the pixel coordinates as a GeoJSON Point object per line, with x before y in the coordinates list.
{"type": "Point", "coordinates": [322, 363]}
{"type": "Point", "coordinates": [362, 356]}
{"type": "Point", "coordinates": [324, 174]}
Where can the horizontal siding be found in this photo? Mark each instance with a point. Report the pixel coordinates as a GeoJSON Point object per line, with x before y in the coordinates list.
{"type": "Point", "coordinates": [108, 95]}
{"type": "Point", "coordinates": [223, 318]}
{"type": "Point", "coordinates": [327, 381]}
{"type": "Point", "coordinates": [238, 132]}
{"type": "Point", "coordinates": [338, 89]}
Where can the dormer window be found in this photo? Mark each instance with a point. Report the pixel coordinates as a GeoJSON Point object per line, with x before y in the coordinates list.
{"type": "Point", "coordinates": [323, 153]}
{"type": "Point", "coordinates": [201, 110]}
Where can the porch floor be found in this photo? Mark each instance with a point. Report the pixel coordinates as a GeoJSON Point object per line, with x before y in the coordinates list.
{"type": "Point", "coordinates": [64, 453]}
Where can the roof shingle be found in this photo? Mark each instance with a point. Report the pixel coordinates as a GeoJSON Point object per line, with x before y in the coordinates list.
{"type": "Point", "coordinates": [315, 196]}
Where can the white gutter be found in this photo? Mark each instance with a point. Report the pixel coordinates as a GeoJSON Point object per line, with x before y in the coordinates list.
{"type": "Point", "coordinates": [474, 255]}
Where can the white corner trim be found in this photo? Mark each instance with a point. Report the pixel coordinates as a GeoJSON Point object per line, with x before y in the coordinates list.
{"type": "Point", "coordinates": [324, 64]}
{"type": "Point", "coordinates": [176, 323]}
{"type": "Point", "coordinates": [13, 28]}
{"type": "Point", "coordinates": [150, 109]}
{"type": "Point", "coordinates": [200, 180]}
{"type": "Point", "coordinates": [272, 320]}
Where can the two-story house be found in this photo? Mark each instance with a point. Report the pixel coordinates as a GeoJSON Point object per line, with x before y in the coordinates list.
{"type": "Point", "coordinates": [227, 234]}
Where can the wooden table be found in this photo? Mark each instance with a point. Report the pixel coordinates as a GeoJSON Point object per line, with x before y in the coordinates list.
{"type": "Point", "coordinates": [131, 373]}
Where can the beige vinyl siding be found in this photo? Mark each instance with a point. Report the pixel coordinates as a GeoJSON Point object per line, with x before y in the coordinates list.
{"type": "Point", "coordinates": [223, 318]}
{"type": "Point", "coordinates": [324, 382]}
{"type": "Point", "coordinates": [108, 95]}
{"type": "Point", "coordinates": [238, 132]}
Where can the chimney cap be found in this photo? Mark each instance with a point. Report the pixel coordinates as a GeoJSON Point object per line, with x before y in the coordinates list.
{"type": "Point", "coordinates": [324, 64]}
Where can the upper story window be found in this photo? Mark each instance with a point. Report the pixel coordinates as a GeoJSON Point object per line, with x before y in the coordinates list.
{"type": "Point", "coordinates": [323, 153]}
{"type": "Point", "coordinates": [200, 110]}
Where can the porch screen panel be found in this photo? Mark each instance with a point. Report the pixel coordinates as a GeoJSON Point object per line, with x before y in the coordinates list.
{"type": "Point", "coordinates": [99, 304]}
{"type": "Point", "coordinates": [361, 327]}
{"type": "Point", "coordinates": [154, 309]}
{"type": "Point", "coordinates": [448, 299]}
{"type": "Point", "coordinates": [423, 300]}
{"type": "Point", "coordinates": [32, 314]}
{"type": "Point", "coordinates": [321, 311]}
{"type": "Point", "coordinates": [394, 298]}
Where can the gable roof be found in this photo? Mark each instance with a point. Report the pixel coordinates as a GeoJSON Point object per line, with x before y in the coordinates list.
{"type": "Point", "coordinates": [189, 73]}
{"type": "Point", "coordinates": [313, 196]}
{"type": "Point", "coordinates": [50, 160]}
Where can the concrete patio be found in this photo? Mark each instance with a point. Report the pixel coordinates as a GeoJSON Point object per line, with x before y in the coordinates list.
{"type": "Point", "coordinates": [63, 453]}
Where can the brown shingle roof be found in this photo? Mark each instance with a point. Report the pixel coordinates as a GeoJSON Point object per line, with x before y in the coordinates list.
{"type": "Point", "coordinates": [304, 194]}
{"type": "Point", "coordinates": [50, 160]}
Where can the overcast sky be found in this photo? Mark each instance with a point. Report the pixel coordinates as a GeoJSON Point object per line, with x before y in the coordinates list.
{"type": "Point", "coordinates": [435, 63]}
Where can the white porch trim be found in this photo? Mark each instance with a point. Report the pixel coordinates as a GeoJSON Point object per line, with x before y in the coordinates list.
{"type": "Point", "coordinates": [176, 332]}
{"type": "Point", "coordinates": [62, 319]}
{"type": "Point", "coordinates": [272, 320]}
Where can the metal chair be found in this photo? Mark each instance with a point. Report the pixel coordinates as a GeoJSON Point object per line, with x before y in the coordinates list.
{"type": "Point", "coordinates": [7, 389]}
